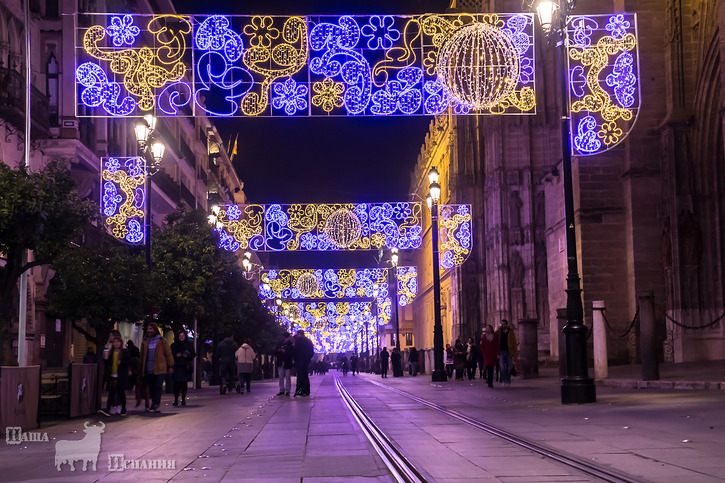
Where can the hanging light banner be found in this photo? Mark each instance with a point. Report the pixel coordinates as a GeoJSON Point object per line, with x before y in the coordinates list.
{"type": "Point", "coordinates": [604, 87]}
{"type": "Point", "coordinates": [455, 238]}
{"type": "Point", "coordinates": [333, 327]}
{"type": "Point", "coordinates": [367, 283]}
{"type": "Point", "coordinates": [318, 227]}
{"type": "Point", "coordinates": [375, 65]}
{"type": "Point", "coordinates": [123, 198]}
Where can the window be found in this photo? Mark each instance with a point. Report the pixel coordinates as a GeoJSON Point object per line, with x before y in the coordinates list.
{"type": "Point", "coordinates": [52, 88]}
{"type": "Point", "coordinates": [409, 339]}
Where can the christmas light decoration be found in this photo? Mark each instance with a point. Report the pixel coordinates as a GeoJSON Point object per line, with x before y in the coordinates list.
{"type": "Point", "coordinates": [603, 78]}
{"type": "Point", "coordinates": [123, 197]}
{"type": "Point", "coordinates": [307, 284]}
{"type": "Point", "coordinates": [454, 234]}
{"type": "Point", "coordinates": [343, 228]}
{"type": "Point", "coordinates": [174, 65]}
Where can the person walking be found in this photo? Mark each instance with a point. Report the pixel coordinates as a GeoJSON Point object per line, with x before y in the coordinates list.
{"type": "Point", "coordinates": [285, 356]}
{"type": "Point", "coordinates": [353, 363]}
{"type": "Point", "coordinates": [184, 354]}
{"type": "Point", "coordinates": [245, 356]}
{"type": "Point", "coordinates": [157, 360]}
{"type": "Point", "coordinates": [226, 353]}
{"type": "Point", "coordinates": [304, 350]}
{"type": "Point", "coordinates": [471, 358]}
{"type": "Point", "coordinates": [489, 350]}
{"type": "Point", "coordinates": [508, 349]}
{"type": "Point", "coordinates": [120, 370]}
{"type": "Point", "coordinates": [396, 362]}
{"type": "Point", "coordinates": [413, 361]}
{"type": "Point", "coordinates": [459, 359]}
{"type": "Point", "coordinates": [384, 358]}
{"type": "Point", "coordinates": [344, 365]}
{"type": "Point", "coordinates": [449, 361]}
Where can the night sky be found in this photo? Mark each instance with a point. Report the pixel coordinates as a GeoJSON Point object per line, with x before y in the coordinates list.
{"type": "Point", "coordinates": [301, 160]}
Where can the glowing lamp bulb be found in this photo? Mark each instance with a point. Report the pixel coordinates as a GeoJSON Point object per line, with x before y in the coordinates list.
{"type": "Point", "coordinates": [545, 10]}
{"type": "Point", "coordinates": [433, 175]}
{"type": "Point", "coordinates": [141, 130]}
{"type": "Point", "coordinates": [435, 192]}
{"type": "Point", "coordinates": [157, 151]}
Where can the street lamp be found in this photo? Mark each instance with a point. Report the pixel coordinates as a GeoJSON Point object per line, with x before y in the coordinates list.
{"type": "Point", "coordinates": [152, 152]}
{"type": "Point", "coordinates": [394, 263]}
{"type": "Point", "coordinates": [439, 373]}
{"type": "Point", "coordinates": [577, 387]}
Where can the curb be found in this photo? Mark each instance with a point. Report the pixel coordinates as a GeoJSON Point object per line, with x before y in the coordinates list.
{"type": "Point", "coordinates": [674, 385]}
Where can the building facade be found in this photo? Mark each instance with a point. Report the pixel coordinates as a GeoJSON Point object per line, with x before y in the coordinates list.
{"type": "Point", "coordinates": [649, 213]}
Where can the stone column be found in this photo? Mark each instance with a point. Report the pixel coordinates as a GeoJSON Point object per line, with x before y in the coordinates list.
{"type": "Point", "coordinates": [529, 348]}
{"type": "Point", "coordinates": [601, 363]}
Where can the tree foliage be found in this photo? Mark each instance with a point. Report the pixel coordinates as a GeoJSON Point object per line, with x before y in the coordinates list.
{"type": "Point", "coordinates": [41, 212]}
{"type": "Point", "coordinates": [102, 282]}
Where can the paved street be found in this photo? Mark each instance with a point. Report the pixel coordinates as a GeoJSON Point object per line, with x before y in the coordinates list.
{"type": "Point", "coordinates": [650, 434]}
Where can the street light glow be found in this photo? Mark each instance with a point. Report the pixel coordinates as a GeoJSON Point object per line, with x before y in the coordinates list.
{"type": "Point", "coordinates": [433, 175]}
{"type": "Point", "coordinates": [545, 10]}
{"type": "Point", "coordinates": [435, 191]}
{"type": "Point", "coordinates": [157, 151]}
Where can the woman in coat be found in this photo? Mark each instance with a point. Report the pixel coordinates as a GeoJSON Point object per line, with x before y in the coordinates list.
{"type": "Point", "coordinates": [489, 349]}
{"type": "Point", "coordinates": [245, 364]}
{"type": "Point", "coordinates": [184, 353]}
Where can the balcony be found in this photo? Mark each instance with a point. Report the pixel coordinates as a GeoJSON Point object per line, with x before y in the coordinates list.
{"type": "Point", "coordinates": [188, 197]}
{"type": "Point", "coordinates": [12, 105]}
{"type": "Point", "coordinates": [167, 184]}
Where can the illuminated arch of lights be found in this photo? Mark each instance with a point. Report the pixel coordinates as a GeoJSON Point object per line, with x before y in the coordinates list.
{"type": "Point", "coordinates": [374, 65]}
{"type": "Point", "coordinates": [604, 88]}
{"type": "Point", "coordinates": [123, 198]}
{"type": "Point", "coordinates": [360, 283]}
{"type": "Point", "coordinates": [333, 327]}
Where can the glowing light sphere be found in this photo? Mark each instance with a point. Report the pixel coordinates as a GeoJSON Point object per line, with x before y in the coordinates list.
{"type": "Point", "coordinates": [343, 228]}
{"type": "Point", "coordinates": [479, 65]}
{"type": "Point", "coordinates": [295, 313]}
{"type": "Point", "coordinates": [307, 284]}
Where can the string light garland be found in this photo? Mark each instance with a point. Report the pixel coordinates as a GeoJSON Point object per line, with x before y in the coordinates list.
{"type": "Point", "coordinates": [246, 66]}
{"type": "Point", "coordinates": [307, 284]}
{"type": "Point", "coordinates": [603, 78]}
{"type": "Point", "coordinates": [455, 238]}
{"type": "Point", "coordinates": [343, 228]}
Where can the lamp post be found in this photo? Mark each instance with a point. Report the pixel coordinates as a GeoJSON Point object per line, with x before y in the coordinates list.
{"type": "Point", "coordinates": [577, 387]}
{"type": "Point", "coordinates": [279, 307]}
{"type": "Point", "coordinates": [394, 263]}
{"type": "Point", "coordinates": [152, 152]}
{"type": "Point", "coordinates": [439, 373]}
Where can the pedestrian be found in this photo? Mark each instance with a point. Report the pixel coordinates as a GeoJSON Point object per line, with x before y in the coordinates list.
{"type": "Point", "coordinates": [413, 361]}
{"type": "Point", "coordinates": [184, 354]}
{"type": "Point", "coordinates": [449, 361]}
{"type": "Point", "coordinates": [119, 372]}
{"type": "Point", "coordinates": [459, 359]}
{"type": "Point", "coordinates": [343, 365]}
{"type": "Point", "coordinates": [508, 349]}
{"type": "Point", "coordinates": [285, 356]}
{"type": "Point", "coordinates": [90, 357]}
{"type": "Point", "coordinates": [226, 353]}
{"type": "Point", "coordinates": [384, 358]}
{"type": "Point", "coordinates": [106, 352]}
{"type": "Point", "coordinates": [157, 361]}
{"type": "Point", "coordinates": [304, 350]}
{"type": "Point", "coordinates": [480, 358]}
{"type": "Point", "coordinates": [489, 350]}
{"type": "Point", "coordinates": [245, 356]}
{"type": "Point", "coordinates": [396, 362]}
{"type": "Point", "coordinates": [353, 363]}
{"type": "Point", "coordinates": [133, 351]}
{"type": "Point", "coordinates": [471, 358]}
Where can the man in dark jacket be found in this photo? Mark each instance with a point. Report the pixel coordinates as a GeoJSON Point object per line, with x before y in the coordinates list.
{"type": "Point", "coordinates": [285, 356]}
{"type": "Point", "coordinates": [304, 350]}
{"type": "Point", "coordinates": [384, 358]}
{"type": "Point", "coordinates": [227, 363]}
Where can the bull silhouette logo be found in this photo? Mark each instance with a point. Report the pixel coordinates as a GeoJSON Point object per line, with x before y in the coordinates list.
{"type": "Point", "coordinates": [85, 450]}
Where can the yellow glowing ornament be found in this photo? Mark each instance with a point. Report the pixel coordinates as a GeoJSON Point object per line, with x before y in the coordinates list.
{"type": "Point", "coordinates": [307, 284]}
{"type": "Point", "coordinates": [479, 65]}
{"type": "Point", "coordinates": [328, 94]}
{"type": "Point", "coordinates": [343, 228]}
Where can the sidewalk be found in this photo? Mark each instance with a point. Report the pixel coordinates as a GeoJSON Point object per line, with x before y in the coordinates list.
{"type": "Point", "coordinates": [700, 376]}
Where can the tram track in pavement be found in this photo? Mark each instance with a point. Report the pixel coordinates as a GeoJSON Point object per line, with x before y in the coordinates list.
{"type": "Point", "coordinates": [392, 456]}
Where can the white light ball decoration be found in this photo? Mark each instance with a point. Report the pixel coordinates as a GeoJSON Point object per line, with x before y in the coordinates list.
{"type": "Point", "coordinates": [307, 284]}
{"type": "Point", "coordinates": [343, 228]}
{"type": "Point", "coordinates": [294, 312]}
{"type": "Point", "coordinates": [479, 65]}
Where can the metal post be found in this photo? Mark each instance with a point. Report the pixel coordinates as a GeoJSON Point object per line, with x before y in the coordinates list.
{"type": "Point", "coordinates": [438, 373]}
{"type": "Point", "coordinates": [23, 295]}
{"type": "Point", "coordinates": [577, 387]}
{"type": "Point", "coordinates": [395, 306]}
{"type": "Point", "coordinates": [148, 213]}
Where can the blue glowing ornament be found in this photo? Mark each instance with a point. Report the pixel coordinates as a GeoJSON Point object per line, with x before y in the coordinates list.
{"type": "Point", "coordinates": [586, 138]}
{"type": "Point", "coordinates": [122, 30]}
{"type": "Point", "coordinates": [380, 32]}
{"type": "Point", "coordinates": [290, 96]}
{"type": "Point", "coordinates": [623, 80]}
{"type": "Point", "coordinates": [403, 94]}
{"type": "Point", "coordinates": [617, 25]}
{"type": "Point", "coordinates": [99, 91]}
{"type": "Point", "coordinates": [135, 232]}
{"type": "Point", "coordinates": [175, 96]}
{"type": "Point", "coordinates": [111, 199]}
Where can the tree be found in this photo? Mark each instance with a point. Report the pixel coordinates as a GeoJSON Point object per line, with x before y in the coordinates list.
{"type": "Point", "coordinates": [103, 283]}
{"type": "Point", "coordinates": [41, 212]}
